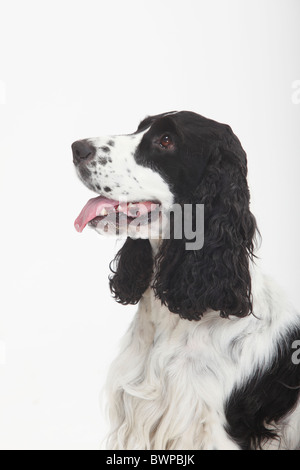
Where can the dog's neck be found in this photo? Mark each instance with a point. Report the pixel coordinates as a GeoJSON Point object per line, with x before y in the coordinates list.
{"type": "Point", "coordinates": [155, 244]}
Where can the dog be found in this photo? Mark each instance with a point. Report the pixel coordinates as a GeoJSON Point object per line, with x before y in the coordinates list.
{"type": "Point", "coordinates": [211, 359]}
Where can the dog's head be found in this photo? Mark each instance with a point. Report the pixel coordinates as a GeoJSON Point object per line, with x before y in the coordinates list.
{"type": "Point", "coordinates": [174, 158]}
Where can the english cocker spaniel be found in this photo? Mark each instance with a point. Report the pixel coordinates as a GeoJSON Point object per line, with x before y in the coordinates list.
{"type": "Point", "coordinates": [211, 359]}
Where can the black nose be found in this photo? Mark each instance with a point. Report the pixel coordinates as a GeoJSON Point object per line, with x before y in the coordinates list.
{"type": "Point", "coordinates": [82, 150]}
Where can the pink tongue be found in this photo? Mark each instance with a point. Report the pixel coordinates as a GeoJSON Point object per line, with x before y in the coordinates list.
{"type": "Point", "coordinates": [91, 210]}
{"type": "Point", "coordinates": [94, 207]}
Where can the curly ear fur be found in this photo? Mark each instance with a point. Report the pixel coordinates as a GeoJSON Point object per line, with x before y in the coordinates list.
{"type": "Point", "coordinates": [217, 276]}
{"type": "Point", "coordinates": [134, 268]}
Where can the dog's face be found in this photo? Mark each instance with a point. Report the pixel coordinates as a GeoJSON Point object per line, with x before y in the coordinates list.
{"type": "Point", "coordinates": [130, 190]}
{"type": "Point", "coordinates": [173, 159]}
{"type": "Point", "coordinates": [139, 176]}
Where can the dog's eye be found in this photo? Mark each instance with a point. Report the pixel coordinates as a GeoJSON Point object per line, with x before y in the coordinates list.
{"type": "Point", "coordinates": [166, 141]}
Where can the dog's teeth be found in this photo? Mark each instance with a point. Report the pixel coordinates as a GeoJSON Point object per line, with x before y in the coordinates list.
{"type": "Point", "coordinates": [119, 208]}
{"type": "Point", "coordinates": [104, 211]}
{"type": "Point", "coordinates": [130, 205]}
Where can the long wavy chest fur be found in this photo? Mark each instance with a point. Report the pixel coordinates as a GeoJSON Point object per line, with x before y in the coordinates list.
{"type": "Point", "coordinates": [166, 383]}
{"type": "Point", "coordinates": [174, 381]}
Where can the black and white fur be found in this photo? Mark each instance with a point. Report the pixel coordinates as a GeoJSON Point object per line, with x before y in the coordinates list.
{"type": "Point", "coordinates": [207, 361]}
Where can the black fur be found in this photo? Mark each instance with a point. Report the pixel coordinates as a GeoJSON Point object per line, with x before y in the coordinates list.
{"type": "Point", "coordinates": [133, 273]}
{"type": "Point", "coordinates": [206, 166]}
{"type": "Point", "coordinates": [252, 409]}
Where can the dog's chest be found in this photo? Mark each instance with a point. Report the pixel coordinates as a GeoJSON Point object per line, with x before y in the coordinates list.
{"type": "Point", "coordinates": [177, 350]}
{"type": "Point", "coordinates": [172, 377]}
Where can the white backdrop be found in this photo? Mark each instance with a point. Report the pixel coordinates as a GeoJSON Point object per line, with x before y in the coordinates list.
{"type": "Point", "coordinates": [75, 69]}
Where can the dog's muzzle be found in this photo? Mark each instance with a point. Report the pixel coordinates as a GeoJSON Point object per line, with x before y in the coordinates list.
{"type": "Point", "coordinates": [83, 151]}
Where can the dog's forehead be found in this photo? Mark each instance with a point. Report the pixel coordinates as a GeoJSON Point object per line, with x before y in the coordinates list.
{"type": "Point", "coordinates": [149, 120]}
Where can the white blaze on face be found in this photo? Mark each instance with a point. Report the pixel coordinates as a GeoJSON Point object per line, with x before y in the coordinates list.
{"type": "Point", "coordinates": [118, 171]}
{"type": "Point", "coordinates": [114, 173]}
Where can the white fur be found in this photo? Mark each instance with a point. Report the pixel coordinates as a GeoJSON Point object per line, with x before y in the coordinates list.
{"type": "Point", "coordinates": [124, 176]}
{"type": "Point", "coordinates": [167, 388]}
{"type": "Point", "coordinates": [126, 180]}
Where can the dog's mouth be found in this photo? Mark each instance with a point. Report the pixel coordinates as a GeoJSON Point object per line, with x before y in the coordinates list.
{"type": "Point", "coordinates": [102, 210]}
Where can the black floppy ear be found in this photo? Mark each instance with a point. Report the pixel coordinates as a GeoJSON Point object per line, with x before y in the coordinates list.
{"type": "Point", "coordinates": [216, 276]}
{"type": "Point", "coordinates": [133, 271]}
